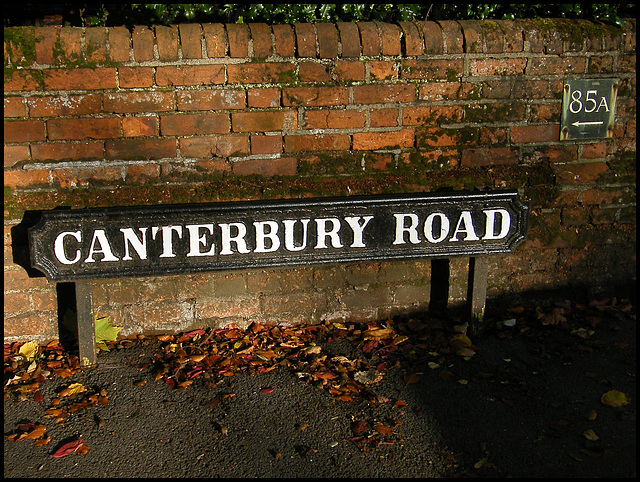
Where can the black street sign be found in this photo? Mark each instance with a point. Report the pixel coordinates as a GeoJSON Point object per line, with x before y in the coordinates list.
{"type": "Point", "coordinates": [588, 108]}
{"type": "Point", "coordinates": [68, 245]}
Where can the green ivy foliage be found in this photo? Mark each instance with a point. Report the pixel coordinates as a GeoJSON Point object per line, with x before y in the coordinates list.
{"type": "Point", "coordinates": [166, 14]}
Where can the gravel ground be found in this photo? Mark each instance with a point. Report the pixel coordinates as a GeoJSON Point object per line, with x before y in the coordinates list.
{"type": "Point", "coordinates": [526, 401]}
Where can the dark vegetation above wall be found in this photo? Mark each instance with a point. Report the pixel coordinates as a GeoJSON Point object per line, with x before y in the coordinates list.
{"type": "Point", "coordinates": [111, 14]}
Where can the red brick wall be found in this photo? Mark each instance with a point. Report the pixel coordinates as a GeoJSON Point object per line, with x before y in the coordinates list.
{"type": "Point", "coordinates": [198, 113]}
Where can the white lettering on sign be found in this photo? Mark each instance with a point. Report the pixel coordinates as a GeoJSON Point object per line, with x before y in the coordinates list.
{"type": "Point", "coordinates": [270, 236]}
{"type": "Point", "coordinates": [589, 103]}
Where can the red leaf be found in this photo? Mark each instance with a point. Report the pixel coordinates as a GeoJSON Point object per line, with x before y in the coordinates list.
{"type": "Point", "coordinates": [267, 390]}
{"type": "Point", "coordinates": [67, 449]}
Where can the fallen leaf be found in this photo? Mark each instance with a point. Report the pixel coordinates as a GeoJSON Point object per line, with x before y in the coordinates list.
{"type": "Point", "coordinates": [29, 350]}
{"type": "Point", "coordinates": [105, 331]}
{"type": "Point", "coordinates": [590, 435]}
{"type": "Point", "coordinates": [382, 429]}
{"type": "Point", "coordinates": [72, 389]}
{"type": "Point", "coordinates": [378, 334]}
{"type": "Point", "coordinates": [460, 341]}
{"type": "Point", "coordinates": [411, 378]}
{"type": "Point", "coordinates": [267, 390]}
{"type": "Point", "coordinates": [614, 398]}
{"type": "Point", "coordinates": [67, 449]}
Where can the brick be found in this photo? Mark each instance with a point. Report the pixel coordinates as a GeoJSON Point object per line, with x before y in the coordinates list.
{"type": "Point", "coordinates": [315, 96]}
{"type": "Point", "coordinates": [64, 105]}
{"type": "Point", "coordinates": [66, 178]}
{"type": "Point", "coordinates": [16, 302]}
{"type": "Point", "coordinates": [381, 70]}
{"type": "Point", "coordinates": [513, 36]}
{"type": "Point", "coordinates": [384, 117]}
{"type": "Point", "coordinates": [24, 131]}
{"type": "Point", "coordinates": [167, 41]}
{"type": "Point", "coordinates": [438, 91]}
{"type": "Point", "coordinates": [45, 42]}
{"type": "Point", "coordinates": [370, 38]}
{"type": "Point", "coordinates": [141, 174]}
{"type": "Point", "coordinates": [103, 128]}
{"type": "Point", "coordinates": [489, 156]}
{"type": "Point", "coordinates": [138, 102]}
{"type": "Point", "coordinates": [266, 144]}
{"type": "Point", "coordinates": [15, 154]}
{"type": "Point", "coordinates": [266, 97]}
{"type": "Point", "coordinates": [96, 44]}
{"type": "Point", "coordinates": [64, 151]}
{"type": "Point", "coordinates": [334, 119]}
{"type": "Point", "coordinates": [413, 116]}
{"type": "Point", "coordinates": [528, 134]}
{"type": "Point", "coordinates": [433, 40]}
{"type": "Point", "coordinates": [216, 146]}
{"type": "Point", "coordinates": [285, 41]}
{"type": "Point", "coordinates": [21, 80]}
{"type": "Point", "coordinates": [383, 140]}
{"type": "Point", "coordinates": [313, 72]}
{"type": "Point", "coordinates": [245, 307]}
{"type": "Point", "coordinates": [215, 37]}
{"type": "Point", "coordinates": [390, 39]}
{"type": "Point", "coordinates": [554, 65]}
{"type": "Point", "coordinates": [119, 44]}
{"type": "Point", "coordinates": [349, 71]}
{"type": "Point", "coordinates": [135, 77]}
{"type": "Point", "coordinates": [349, 39]}
{"type": "Point", "coordinates": [190, 40]}
{"type": "Point", "coordinates": [579, 173]}
{"type": "Point", "coordinates": [26, 179]}
{"type": "Point", "coordinates": [317, 142]}
{"type": "Point", "coordinates": [412, 40]}
{"type": "Point", "coordinates": [305, 39]}
{"type": "Point", "coordinates": [495, 112]}
{"type": "Point", "coordinates": [454, 38]}
{"type": "Point", "coordinates": [15, 107]}
{"type": "Point", "coordinates": [594, 151]}
{"type": "Point", "coordinates": [80, 79]}
{"type": "Point", "coordinates": [142, 41]}
{"type": "Point", "coordinates": [190, 75]}
{"type": "Point", "coordinates": [327, 40]}
{"type": "Point", "coordinates": [503, 67]}
{"type": "Point", "coordinates": [194, 124]}
{"type": "Point", "coordinates": [282, 166]}
{"type": "Point", "coordinates": [211, 99]}
{"type": "Point", "coordinates": [432, 69]}
{"type": "Point", "coordinates": [263, 121]}
{"type": "Point", "coordinates": [258, 73]}
{"type": "Point", "coordinates": [385, 94]}
{"type": "Point", "coordinates": [261, 40]}
{"type": "Point", "coordinates": [238, 35]}
{"type": "Point", "coordinates": [20, 52]}
{"type": "Point", "coordinates": [139, 126]}
{"type": "Point", "coordinates": [446, 137]}
{"type": "Point", "coordinates": [69, 44]}
{"type": "Point", "coordinates": [135, 149]}
{"type": "Point", "coordinates": [473, 41]}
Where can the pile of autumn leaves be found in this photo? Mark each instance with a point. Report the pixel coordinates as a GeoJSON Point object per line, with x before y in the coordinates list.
{"type": "Point", "coordinates": [212, 355]}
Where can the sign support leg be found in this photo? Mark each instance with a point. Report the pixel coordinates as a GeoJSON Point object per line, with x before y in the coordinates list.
{"type": "Point", "coordinates": [86, 324]}
{"type": "Point", "coordinates": [477, 292]}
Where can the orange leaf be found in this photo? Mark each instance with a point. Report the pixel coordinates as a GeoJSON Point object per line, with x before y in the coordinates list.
{"type": "Point", "coordinates": [411, 378]}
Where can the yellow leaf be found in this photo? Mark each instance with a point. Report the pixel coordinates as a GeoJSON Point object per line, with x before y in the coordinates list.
{"type": "Point", "coordinates": [590, 435]}
{"type": "Point", "coordinates": [378, 334]}
{"type": "Point", "coordinates": [460, 340]}
{"type": "Point", "coordinates": [72, 389]}
{"type": "Point", "coordinates": [614, 398]}
{"type": "Point", "coordinates": [29, 350]}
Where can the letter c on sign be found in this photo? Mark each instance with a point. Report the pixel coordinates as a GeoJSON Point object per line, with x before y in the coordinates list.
{"type": "Point", "coordinates": [58, 247]}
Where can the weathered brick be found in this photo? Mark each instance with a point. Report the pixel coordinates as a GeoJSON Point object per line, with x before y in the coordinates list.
{"type": "Point", "coordinates": [259, 73]}
{"type": "Point", "coordinates": [370, 38]}
{"type": "Point", "coordinates": [327, 40]}
{"type": "Point", "coordinates": [24, 131]}
{"type": "Point", "coordinates": [305, 39]}
{"type": "Point", "coordinates": [96, 44]}
{"type": "Point", "coordinates": [65, 105]}
{"type": "Point", "coordinates": [334, 119]}
{"type": "Point", "coordinates": [433, 40]}
{"type": "Point", "coordinates": [215, 37]}
{"type": "Point", "coordinates": [80, 79]}
{"type": "Point", "coordinates": [238, 35]}
{"type": "Point", "coordinates": [72, 178]}
{"type": "Point", "coordinates": [317, 142]}
{"type": "Point", "coordinates": [454, 38]}
{"type": "Point", "coordinates": [439, 136]}
{"type": "Point", "coordinates": [390, 39]}
{"type": "Point", "coordinates": [503, 67]}
{"type": "Point", "coordinates": [15, 154]}
{"type": "Point", "coordinates": [147, 148]}
{"type": "Point", "coordinates": [384, 117]}
{"type": "Point", "coordinates": [313, 72]}
{"type": "Point", "coordinates": [142, 174]}
{"type": "Point", "coordinates": [261, 40]}
{"type": "Point", "coordinates": [282, 166]}
{"type": "Point", "coordinates": [138, 102]}
{"type": "Point", "coordinates": [190, 75]}
{"type": "Point", "coordinates": [216, 146]}
{"type": "Point", "coordinates": [119, 44]}
{"type": "Point", "coordinates": [349, 71]}
{"type": "Point", "coordinates": [383, 140]}
{"type": "Point", "coordinates": [488, 156]}
{"type": "Point", "coordinates": [263, 121]}
{"type": "Point", "coordinates": [211, 99]}
{"type": "Point", "coordinates": [142, 41]}
{"type": "Point", "coordinates": [528, 134]}
{"type": "Point", "coordinates": [315, 96]}
{"type": "Point", "coordinates": [381, 70]}
{"type": "Point", "coordinates": [555, 65]}
{"type": "Point", "coordinates": [413, 116]}
{"type": "Point", "coordinates": [190, 40]}
{"type": "Point", "coordinates": [412, 40]}
{"type": "Point", "coordinates": [194, 124]}
{"type": "Point", "coordinates": [139, 126]}
{"type": "Point", "coordinates": [432, 69]}
{"type": "Point", "coordinates": [64, 151]}
{"type": "Point", "coordinates": [580, 173]}
{"type": "Point", "coordinates": [21, 80]}
{"type": "Point", "coordinates": [384, 94]}
{"type": "Point", "coordinates": [26, 179]}
{"type": "Point", "coordinates": [266, 144]}
{"type": "Point", "coordinates": [349, 39]}
{"type": "Point", "coordinates": [285, 41]}
{"type": "Point", "coordinates": [265, 97]}
{"type": "Point", "coordinates": [69, 44]}
{"type": "Point", "coordinates": [46, 39]}
{"type": "Point", "coordinates": [135, 77]}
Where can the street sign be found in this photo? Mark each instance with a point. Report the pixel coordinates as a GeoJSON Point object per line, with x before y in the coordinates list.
{"type": "Point", "coordinates": [588, 109]}
{"type": "Point", "coordinates": [73, 244]}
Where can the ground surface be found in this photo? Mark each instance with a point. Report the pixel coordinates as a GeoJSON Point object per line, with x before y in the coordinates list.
{"type": "Point", "coordinates": [408, 398]}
